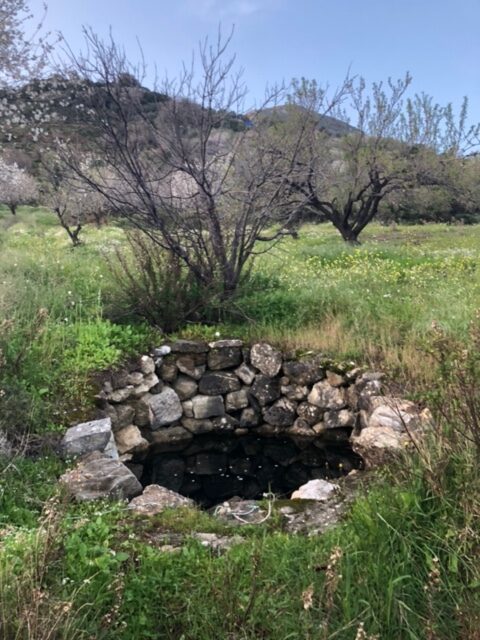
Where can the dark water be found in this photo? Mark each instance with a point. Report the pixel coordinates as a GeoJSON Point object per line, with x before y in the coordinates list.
{"type": "Point", "coordinates": [212, 469]}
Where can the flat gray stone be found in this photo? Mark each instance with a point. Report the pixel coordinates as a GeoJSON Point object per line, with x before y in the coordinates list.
{"type": "Point", "coordinates": [86, 437]}
{"type": "Point", "coordinates": [171, 437]}
{"type": "Point", "coordinates": [226, 344]}
{"type": "Point", "coordinates": [303, 373]}
{"type": "Point", "coordinates": [189, 346]}
{"type": "Point", "coordinates": [165, 408]}
{"type": "Point", "coordinates": [225, 357]}
{"type": "Point", "coordinates": [214, 384]}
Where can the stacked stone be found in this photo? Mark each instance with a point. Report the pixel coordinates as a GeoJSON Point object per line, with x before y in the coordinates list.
{"type": "Point", "coordinates": [284, 421]}
{"type": "Point", "coordinates": [191, 387]}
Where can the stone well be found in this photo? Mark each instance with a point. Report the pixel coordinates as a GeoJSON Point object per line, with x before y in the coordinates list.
{"type": "Point", "coordinates": [222, 419]}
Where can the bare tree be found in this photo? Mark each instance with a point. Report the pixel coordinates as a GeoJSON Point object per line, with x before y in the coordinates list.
{"type": "Point", "coordinates": [185, 167]}
{"type": "Point", "coordinates": [397, 144]}
{"type": "Point", "coordinates": [17, 187]}
{"type": "Point", "coordinates": [73, 201]}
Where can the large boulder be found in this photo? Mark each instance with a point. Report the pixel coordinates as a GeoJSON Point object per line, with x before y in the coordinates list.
{"type": "Point", "coordinates": [86, 437]}
{"type": "Point", "coordinates": [98, 476]}
{"type": "Point", "coordinates": [387, 411]}
{"type": "Point", "coordinates": [266, 359]}
{"type": "Point", "coordinates": [378, 446]}
{"type": "Point", "coordinates": [156, 499]}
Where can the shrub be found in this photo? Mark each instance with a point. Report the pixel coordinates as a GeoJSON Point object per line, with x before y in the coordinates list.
{"type": "Point", "coordinates": [153, 285]}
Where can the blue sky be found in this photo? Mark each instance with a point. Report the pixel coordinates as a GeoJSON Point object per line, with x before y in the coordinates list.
{"type": "Point", "coordinates": [437, 41]}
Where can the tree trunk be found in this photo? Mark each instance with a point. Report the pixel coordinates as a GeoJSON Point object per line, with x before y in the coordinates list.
{"type": "Point", "coordinates": [348, 234]}
{"type": "Point", "coordinates": [13, 209]}
{"type": "Point", "coordinates": [74, 235]}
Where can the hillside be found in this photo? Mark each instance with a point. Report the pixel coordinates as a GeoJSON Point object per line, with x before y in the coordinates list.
{"type": "Point", "coordinates": [58, 105]}
{"type": "Point", "coordinates": [330, 125]}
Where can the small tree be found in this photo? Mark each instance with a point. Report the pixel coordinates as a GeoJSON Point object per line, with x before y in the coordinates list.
{"type": "Point", "coordinates": [397, 144]}
{"type": "Point", "coordinates": [73, 201]}
{"type": "Point", "coordinates": [203, 190]}
{"type": "Point", "coordinates": [17, 187]}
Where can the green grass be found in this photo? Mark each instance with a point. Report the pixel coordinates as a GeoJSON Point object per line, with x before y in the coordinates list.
{"type": "Point", "coordinates": [407, 566]}
{"type": "Point", "coordinates": [55, 333]}
{"type": "Point", "coordinates": [401, 564]}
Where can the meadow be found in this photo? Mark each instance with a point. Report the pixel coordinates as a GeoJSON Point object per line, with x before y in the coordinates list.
{"type": "Point", "coordinates": [403, 563]}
